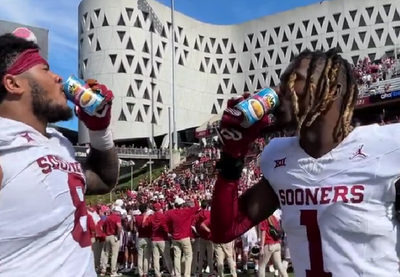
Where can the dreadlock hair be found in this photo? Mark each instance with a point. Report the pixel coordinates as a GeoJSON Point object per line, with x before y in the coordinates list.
{"type": "Point", "coordinates": [323, 91]}
{"type": "Point", "coordinates": [10, 48]}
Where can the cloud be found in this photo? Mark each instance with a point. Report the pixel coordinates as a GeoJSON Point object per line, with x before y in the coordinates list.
{"type": "Point", "coordinates": [59, 17]}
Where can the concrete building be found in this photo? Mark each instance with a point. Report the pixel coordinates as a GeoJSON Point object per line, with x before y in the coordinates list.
{"type": "Point", "coordinates": [42, 35]}
{"type": "Point", "coordinates": [126, 44]}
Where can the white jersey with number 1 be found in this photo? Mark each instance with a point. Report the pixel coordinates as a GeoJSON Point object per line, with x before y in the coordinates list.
{"type": "Point", "coordinates": [43, 216]}
{"type": "Point", "coordinates": [337, 210]}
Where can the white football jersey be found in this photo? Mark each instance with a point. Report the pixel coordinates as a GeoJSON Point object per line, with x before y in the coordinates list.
{"type": "Point", "coordinates": [43, 216]}
{"type": "Point", "coordinates": [337, 210]}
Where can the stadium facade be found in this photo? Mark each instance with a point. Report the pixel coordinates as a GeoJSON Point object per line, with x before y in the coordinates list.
{"type": "Point", "coordinates": [127, 45]}
{"type": "Point", "coordinates": [42, 35]}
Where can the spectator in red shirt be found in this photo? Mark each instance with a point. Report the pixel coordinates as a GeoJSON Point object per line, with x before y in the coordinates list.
{"type": "Point", "coordinates": [91, 225]}
{"type": "Point", "coordinates": [206, 244]}
{"type": "Point", "coordinates": [195, 240]}
{"type": "Point", "coordinates": [99, 244]}
{"type": "Point", "coordinates": [112, 230]}
{"type": "Point", "coordinates": [160, 239]}
{"type": "Point", "coordinates": [271, 246]}
{"type": "Point", "coordinates": [179, 222]}
{"type": "Point", "coordinates": [144, 240]}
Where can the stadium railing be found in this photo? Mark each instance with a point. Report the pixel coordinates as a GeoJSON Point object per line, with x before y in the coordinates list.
{"type": "Point", "coordinates": [379, 87]}
{"type": "Point", "coordinates": [131, 153]}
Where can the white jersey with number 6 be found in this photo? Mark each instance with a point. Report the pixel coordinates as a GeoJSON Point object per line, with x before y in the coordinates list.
{"type": "Point", "coordinates": [337, 210]}
{"type": "Point", "coordinates": [43, 216]}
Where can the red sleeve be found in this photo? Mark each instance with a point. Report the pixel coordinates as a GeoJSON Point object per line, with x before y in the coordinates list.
{"type": "Point", "coordinates": [99, 229]}
{"type": "Point", "coordinates": [117, 219]}
{"type": "Point", "coordinates": [198, 218]}
{"type": "Point", "coordinates": [196, 206]}
{"type": "Point", "coordinates": [206, 235]}
{"type": "Point", "coordinates": [227, 221]}
{"type": "Point", "coordinates": [207, 222]}
{"type": "Point", "coordinates": [91, 225]}
{"type": "Point", "coordinates": [164, 225]}
{"type": "Point", "coordinates": [138, 221]}
{"type": "Point", "coordinates": [207, 215]}
{"type": "Point", "coordinates": [263, 226]}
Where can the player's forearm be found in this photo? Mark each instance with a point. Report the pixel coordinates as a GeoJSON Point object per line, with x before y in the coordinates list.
{"type": "Point", "coordinates": [102, 164]}
{"type": "Point", "coordinates": [228, 216]}
{"type": "Point", "coordinates": [228, 221]}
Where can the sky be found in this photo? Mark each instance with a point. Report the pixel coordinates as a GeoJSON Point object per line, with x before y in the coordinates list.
{"type": "Point", "coordinates": [61, 19]}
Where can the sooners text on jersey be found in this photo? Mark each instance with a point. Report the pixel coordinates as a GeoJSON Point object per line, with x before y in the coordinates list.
{"type": "Point", "coordinates": [337, 210]}
{"type": "Point", "coordinates": [43, 216]}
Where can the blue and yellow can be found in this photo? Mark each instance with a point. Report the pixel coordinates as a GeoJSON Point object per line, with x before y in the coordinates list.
{"type": "Point", "coordinates": [257, 106]}
{"type": "Point", "coordinates": [79, 93]}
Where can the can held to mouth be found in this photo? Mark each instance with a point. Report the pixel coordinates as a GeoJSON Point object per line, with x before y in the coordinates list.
{"type": "Point", "coordinates": [79, 93]}
{"type": "Point", "coordinates": [257, 106]}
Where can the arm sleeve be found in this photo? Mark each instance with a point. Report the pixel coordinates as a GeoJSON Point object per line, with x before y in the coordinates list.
{"type": "Point", "coordinates": [164, 225]}
{"type": "Point", "coordinates": [196, 206]}
{"type": "Point", "coordinates": [227, 221]}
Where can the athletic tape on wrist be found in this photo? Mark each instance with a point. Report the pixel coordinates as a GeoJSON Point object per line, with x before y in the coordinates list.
{"type": "Point", "coordinates": [101, 140]}
{"type": "Point", "coordinates": [230, 168]}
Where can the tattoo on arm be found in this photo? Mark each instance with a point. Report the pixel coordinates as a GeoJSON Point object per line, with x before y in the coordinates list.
{"type": "Point", "coordinates": [101, 171]}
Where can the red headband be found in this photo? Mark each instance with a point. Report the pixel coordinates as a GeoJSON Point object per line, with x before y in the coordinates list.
{"type": "Point", "coordinates": [25, 61]}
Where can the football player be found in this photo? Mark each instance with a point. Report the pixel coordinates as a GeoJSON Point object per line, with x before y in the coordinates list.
{"type": "Point", "coordinates": [43, 216]}
{"type": "Point", "coordinates": [336, 185]}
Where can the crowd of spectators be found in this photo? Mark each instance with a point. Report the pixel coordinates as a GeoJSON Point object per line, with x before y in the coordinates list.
{"type": "Point", "coordinates": [196, 179]}
{"type": "Point", "coordinates": [370, 72]}
{"type": "Point", "coordinates": [193, 182]}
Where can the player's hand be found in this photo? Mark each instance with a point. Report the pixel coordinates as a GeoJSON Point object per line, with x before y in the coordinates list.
{"type": "Point", "coordinates": [235, 139]}
{"type": "Point", "coordinates": [101, 120]}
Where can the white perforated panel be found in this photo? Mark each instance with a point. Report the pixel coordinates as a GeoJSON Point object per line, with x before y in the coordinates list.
{"type": "Point", "coordinates": [130, 51]}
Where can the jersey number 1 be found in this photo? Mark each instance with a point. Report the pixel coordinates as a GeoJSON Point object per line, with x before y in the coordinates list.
{"type": "Point", "coordinates": [309, 219]}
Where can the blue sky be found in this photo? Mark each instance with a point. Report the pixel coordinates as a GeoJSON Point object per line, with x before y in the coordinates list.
{"type": "Point", "coordinates": [61, 19]}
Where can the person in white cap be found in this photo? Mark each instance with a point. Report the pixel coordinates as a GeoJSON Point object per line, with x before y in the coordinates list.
{"type": "Point", "coordinates": [119, 202]}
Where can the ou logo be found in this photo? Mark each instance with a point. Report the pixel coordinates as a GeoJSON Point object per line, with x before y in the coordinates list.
{"type": "Point", "coordinates": [231, 134]}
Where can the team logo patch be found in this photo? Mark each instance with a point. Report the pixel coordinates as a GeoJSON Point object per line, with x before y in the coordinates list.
{"type": "Point", "coordinates": [359, 153]}
{"type": "Point", "coordinates": [280, 163]}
